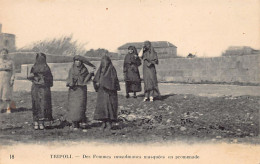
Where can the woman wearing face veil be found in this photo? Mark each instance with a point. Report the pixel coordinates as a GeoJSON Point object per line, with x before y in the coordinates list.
{"type": "Point", "coordinates": [106, 84]}
{"type": "Point", "coordinates": [77, 83]}
{"type": "Point", "coordinates": [131, 72]}
{"type": "Point", "coordinates": [150, 58]}
{"type": "Point", "coordinates": [42, 81]}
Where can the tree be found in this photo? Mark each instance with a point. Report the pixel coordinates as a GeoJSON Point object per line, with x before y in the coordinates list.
{"type": "Point", "coordinates": [56, 46]}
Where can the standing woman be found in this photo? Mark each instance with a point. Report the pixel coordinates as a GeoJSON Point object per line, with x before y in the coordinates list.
{"type": "Point", "coordinates": [77, 83]}
{"type": "Point", "coordinates": [42, 81]}
{"type": "Point", "coordinates": [7, 76]}
{"type": "Point", "coordinates": [106, 84]}
{"type": "Point", "coordinates": [131, 72]}
{"type": "Point", "coordinates": [150, 58]}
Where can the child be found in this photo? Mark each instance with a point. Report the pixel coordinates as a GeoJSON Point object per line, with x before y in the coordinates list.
{"type": "Point", "coordinates": [77, 83]}
{"type": "Point", "coordinates": [106, 84]}
{"type": "Point", "coordinates": [42, 80]}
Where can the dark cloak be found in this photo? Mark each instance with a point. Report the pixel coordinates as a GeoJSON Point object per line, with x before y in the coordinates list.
{"type": "Point", "coordinates": [77, 83]}
{"type": "Point", "coordinates": [149, 71]}
{"type": "Point", "coordinates": [106, 84]}
{"type": "Point", "coordinates": [79, 75]}
{"type": "Point", "coordinates": [41, 94]}
{"type": "Point", "coordinates": [131, 72]}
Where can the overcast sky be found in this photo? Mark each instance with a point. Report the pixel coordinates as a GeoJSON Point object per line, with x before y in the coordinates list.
{"type": "Point", "coordinates": [202, 27]}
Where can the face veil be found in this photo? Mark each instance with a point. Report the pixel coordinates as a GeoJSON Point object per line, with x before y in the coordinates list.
{"type": "Point", "coordinates": [106, 75]}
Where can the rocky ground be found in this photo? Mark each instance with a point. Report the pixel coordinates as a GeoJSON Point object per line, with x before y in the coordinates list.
{"type": "Point", "coordinates": [174, 117]}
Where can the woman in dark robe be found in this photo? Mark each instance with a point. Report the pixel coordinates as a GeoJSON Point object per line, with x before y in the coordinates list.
{"type": "Point", "coordinates": [77, 97]}
{"type": "Point", "coordinates": [42, 81]}
{"type": "Point", "coordinates": [150, 58]}
{"type": "Point", "coordinates": [131, 72]}
{"type": "Point", "coordinates": [106, 84]}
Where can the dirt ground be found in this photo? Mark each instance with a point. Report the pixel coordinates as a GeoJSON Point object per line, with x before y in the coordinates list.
{"type": "Point", "coordinates": [174, 117]}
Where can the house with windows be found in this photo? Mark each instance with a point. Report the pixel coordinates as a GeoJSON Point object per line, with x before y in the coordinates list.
{"type": "Point", "coordinates": [164, 49]}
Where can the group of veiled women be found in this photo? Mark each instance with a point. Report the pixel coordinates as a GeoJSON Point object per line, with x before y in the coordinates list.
{"type": "Point", "coordinates": [131, 73]}
{"type": "Point", "coordinates": [105, 83]}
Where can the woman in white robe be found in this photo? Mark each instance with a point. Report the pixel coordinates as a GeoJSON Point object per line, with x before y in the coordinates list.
{"type": "Point", "coordinates": [7, 76]}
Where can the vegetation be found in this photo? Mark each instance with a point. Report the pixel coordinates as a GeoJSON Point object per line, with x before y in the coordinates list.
{"type": "Point", "coordinates": [64, 46]}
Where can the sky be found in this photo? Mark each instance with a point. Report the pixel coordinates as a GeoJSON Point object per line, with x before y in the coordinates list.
{"type": "Point", "coordinates": [202, 27]}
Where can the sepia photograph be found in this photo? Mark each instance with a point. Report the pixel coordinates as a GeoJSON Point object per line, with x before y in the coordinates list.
{"type": "Point", "coordinates": [133, 81]}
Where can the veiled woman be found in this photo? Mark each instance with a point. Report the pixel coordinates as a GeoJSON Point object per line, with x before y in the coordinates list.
{"type": "Point", "coordinates": [150, 59]}
{"type": "Point", "coordinates": [42, 81]}
{"type": "Point", "coordinates": [131, 72]}
{"type": "Point", "coordinates": [77, 98]}
{"type": "Point", "coordinates": [106, 84]}
{"type": "Point", "coordinates": [7, 76]}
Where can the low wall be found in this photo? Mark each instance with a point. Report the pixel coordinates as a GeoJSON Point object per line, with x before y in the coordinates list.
{"type": "Point", "coordinates": [243, 69]}
{"type": "Point", "coordinates": [230, 69]}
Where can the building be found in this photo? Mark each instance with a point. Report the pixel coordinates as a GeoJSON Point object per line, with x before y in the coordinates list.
{"type": "Point", "coordinates": [240, 50]}
{"type": "Point", "coordinates": [7, 41]}
{"type": "Point", "coordinates": [163, 48]}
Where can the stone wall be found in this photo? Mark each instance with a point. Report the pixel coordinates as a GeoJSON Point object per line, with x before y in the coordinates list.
{"type": "Point", "coordinates": [230, 69]}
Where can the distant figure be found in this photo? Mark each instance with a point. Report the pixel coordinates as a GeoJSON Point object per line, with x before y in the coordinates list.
{"type": "Point", "coordinates": [7, 76]}
{"type": "Point", "coordinates": [77, 81]}
{"type": "Point", "coordinates": [131, 72]}
{"type": "Point", "coordinates": [42, 81]}
{"type": "Point", "coordinates": [191, 55]}
{"type": "Point", "coordinates": [150, 58]}
{"type": "Point", "coordinates": [106, 84]}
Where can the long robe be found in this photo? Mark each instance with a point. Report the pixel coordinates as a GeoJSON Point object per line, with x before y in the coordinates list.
{"type": "Point", "coordinates": [131, 73]}
{"type": "Point", "coordinates": [7, 72]}
{"type": "Point", "coordinates": [41, 103]}
{"type": "Point", "coordinates": [42, 79]}
{"type": "Point", "coordinates": [106, 84]}
{"type": "Point", "coordinates": [77, 97]}
{"type": "Point", "coordinates": [6, 75]}
{"type": "Point", "coordinates": [149, 71]}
